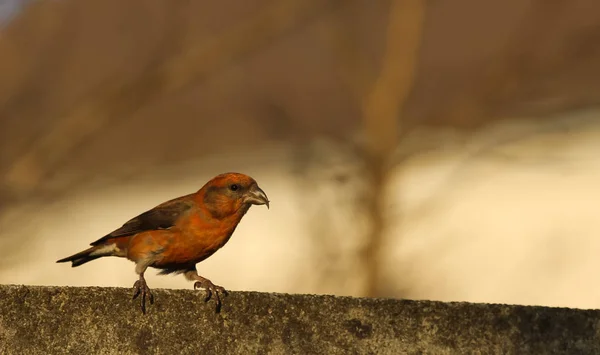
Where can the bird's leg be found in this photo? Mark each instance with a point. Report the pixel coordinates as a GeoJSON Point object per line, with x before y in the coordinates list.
{"type": "Point", "coordinates": [141, 288]}
{"type": "Point", "coordinates": [207, 285]}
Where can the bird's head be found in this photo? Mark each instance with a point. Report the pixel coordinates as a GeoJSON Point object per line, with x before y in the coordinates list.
{"type": "Point", "coordinates": [231, 193]}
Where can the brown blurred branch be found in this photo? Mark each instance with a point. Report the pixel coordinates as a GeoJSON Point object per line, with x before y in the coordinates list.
{"type": "Point", "coordinates": [381, 105]}
{"type": "Point", "coordinates": [382, 108]}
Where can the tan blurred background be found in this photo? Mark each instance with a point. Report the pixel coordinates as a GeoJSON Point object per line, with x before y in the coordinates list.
{"type": "Point", "coordinates": [445, 149]}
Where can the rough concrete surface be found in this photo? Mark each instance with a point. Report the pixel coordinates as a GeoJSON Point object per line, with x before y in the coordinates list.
{"type": "Point", "coordinates": [53, 320]}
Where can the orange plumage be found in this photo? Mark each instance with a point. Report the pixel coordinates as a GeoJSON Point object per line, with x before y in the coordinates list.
{"type": "Point", "coordinates": [176, 235]}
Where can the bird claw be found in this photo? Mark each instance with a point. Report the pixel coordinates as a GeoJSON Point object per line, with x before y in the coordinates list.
{"type": "Point", "coordinates": [141, 288]}
{"type": "Point", "coordinates": [212, 289]}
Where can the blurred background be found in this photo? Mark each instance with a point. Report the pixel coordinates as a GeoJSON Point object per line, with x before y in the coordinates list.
{"type": "Point", "coordinates": [445, 150]}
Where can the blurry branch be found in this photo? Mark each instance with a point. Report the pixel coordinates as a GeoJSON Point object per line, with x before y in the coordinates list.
{"type": "Point", "coordinates": [382, 105]}
{"type": "Point", "coordinates": [382, 108]}
{"type": "Point", "coordinates": [170, 71]}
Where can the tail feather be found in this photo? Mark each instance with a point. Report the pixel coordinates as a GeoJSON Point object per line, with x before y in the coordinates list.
{"type": "Point", "coordinates": [89, 254]}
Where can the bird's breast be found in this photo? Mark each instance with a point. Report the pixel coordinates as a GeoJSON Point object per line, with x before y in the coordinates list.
{"type": "Point", "coordinates": [196, 241]}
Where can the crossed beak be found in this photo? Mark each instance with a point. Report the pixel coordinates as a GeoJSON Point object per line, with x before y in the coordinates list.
{"type": "Point", "coordinates": [256, 196]}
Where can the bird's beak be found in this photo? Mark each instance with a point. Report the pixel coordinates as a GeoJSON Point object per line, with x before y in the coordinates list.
{"type": "Point", "coordinates": [256, 196]}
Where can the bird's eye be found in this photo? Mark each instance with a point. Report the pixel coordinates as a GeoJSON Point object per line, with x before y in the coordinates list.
{"type": "Point", "coordinates": [234, 187]}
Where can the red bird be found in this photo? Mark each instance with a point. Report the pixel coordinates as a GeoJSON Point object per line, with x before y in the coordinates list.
{"type": "Point", "coordinates": [176, 235]}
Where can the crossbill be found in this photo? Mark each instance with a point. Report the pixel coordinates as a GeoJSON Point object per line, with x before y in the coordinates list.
{"type": "Point", "coordinates": [176, 235]}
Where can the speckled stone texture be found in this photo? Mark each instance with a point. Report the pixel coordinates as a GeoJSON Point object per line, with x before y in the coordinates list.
{"type": "Point", "coordinates": [57, 320]}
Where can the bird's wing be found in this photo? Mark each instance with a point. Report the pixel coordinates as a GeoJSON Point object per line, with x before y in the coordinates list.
{"type": "Point", "coordinates": [162, 216]}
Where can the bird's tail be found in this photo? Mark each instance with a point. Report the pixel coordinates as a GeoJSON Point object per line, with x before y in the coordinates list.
{"type": "Point", "coordinates": [90, 254]}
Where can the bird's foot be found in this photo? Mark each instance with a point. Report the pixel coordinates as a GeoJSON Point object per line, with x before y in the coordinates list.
{"type": "Point", "coordinates": [211, 289]}
{"type": "Point", "coordinates": [141, 288]}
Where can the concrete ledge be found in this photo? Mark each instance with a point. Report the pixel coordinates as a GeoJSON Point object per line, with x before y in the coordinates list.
{"type": "Point", "coordinates": [56, 320]}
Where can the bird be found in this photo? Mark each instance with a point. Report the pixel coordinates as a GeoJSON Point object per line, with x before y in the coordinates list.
{"type": "Point", "coordinates": [176, 235]}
